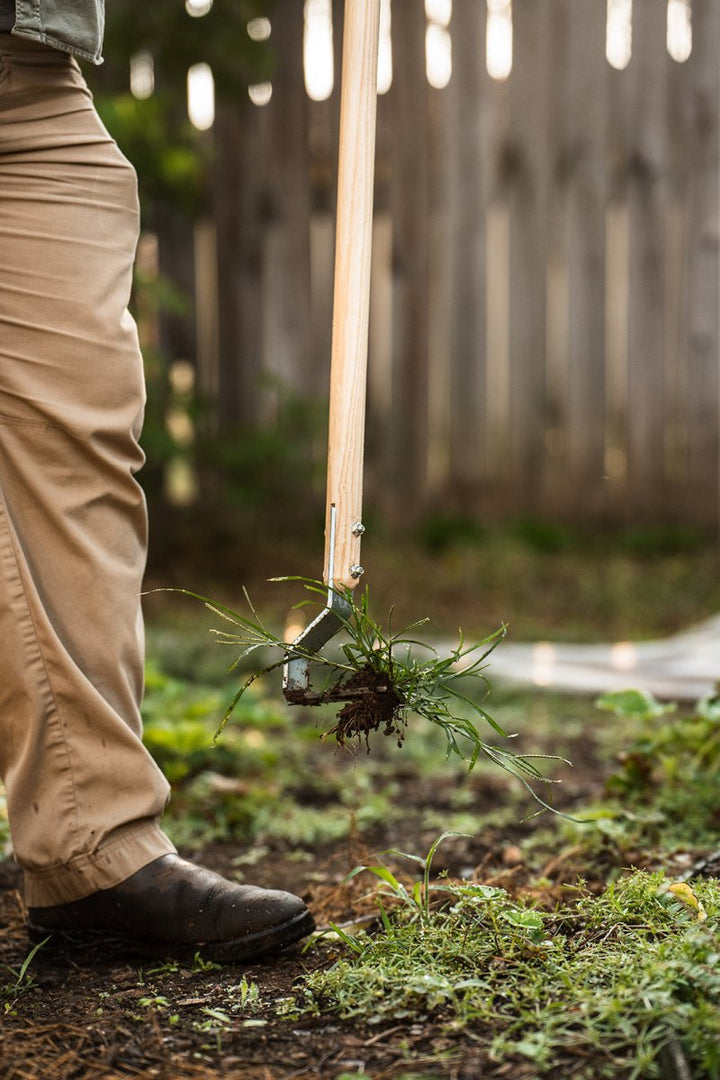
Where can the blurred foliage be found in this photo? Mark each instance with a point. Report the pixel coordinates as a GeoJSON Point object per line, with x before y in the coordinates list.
{"type": "Point", "coordinates": [173, 159]}
{"type": "Point", "coordinates": [180, 717]}
{"type": "Point", "coordinates": [663, 539]}
{"type": "Point", "coordinates": [439, 532]}
{"type": "Point", "coordinates": [544, 536]}
{"type": "Point", "coordinates": [177, 40]}
{"type": "Point", "coordinates": [267, 780]}
{"type": "Point", "coordinates": [278, 465]}
{"type": "Point", "coordinates": [663, 794]}
{"type": "Point", "coordinates": [670, 763]}
{"type": "Point", "coordinates": [244, 470]}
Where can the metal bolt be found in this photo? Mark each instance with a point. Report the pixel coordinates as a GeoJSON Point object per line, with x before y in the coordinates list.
{"type": "Point", "coordinates": [357, 571]}
{"type": "Point", "coordinates": [358, 528]}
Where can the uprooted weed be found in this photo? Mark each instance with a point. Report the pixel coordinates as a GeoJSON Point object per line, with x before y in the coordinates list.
{"type": "Point", "coordinates": [382, 677]}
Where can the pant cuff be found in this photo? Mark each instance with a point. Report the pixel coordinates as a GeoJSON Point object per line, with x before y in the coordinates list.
{"type": "Point", "coordinates": [123, 853]}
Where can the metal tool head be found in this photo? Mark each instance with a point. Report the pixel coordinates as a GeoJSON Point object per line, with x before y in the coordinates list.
{"type": "Point", "coordinates": [296, 671]}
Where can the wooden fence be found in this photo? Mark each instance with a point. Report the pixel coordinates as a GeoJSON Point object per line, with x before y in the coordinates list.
{"type": "Point", "coordinates": [546, 283]}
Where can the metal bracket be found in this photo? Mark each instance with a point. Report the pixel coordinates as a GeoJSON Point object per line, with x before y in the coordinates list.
{"type": "Point", "coordinates": [296, 670]}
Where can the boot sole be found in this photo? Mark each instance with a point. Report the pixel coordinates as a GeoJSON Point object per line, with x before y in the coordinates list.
{"type": "Point", "coordinates": [241, 949]}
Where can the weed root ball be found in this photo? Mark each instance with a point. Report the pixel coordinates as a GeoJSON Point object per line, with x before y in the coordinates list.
{"type": "Point", "coordinates": [377, 705]}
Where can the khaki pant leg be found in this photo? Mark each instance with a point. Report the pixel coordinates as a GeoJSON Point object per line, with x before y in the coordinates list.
{"type": "Point", "coordinates": [83, 794]}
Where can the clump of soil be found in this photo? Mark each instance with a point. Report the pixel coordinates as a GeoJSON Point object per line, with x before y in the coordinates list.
{"type": "Point", "coordinates": [374, 704]}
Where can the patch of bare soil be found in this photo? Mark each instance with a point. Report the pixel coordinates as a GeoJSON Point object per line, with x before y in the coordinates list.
{"type": "Point", "coordinates": [98, 1014]}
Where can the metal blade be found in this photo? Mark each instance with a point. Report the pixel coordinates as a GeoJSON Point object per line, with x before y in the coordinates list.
{"type": "Point", "coordinates": [296, 671]}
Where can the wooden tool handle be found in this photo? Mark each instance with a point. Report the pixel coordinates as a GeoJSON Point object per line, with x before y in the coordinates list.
{"type": "Point", "coordinates": [351, 297]}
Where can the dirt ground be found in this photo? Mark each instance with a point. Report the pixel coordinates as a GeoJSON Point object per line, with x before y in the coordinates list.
{"type": "Point", "coordinates": [95, 1013]}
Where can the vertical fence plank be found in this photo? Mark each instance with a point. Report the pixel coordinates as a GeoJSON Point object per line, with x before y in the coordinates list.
{"type": "Point", "coordinates": [240, 138]}
{"type": "Point", "coordinates": [704, 268]}
{"type": "Point", "coordinates": [288, 326]}
{"type": "Point", "coordinates": [470, 113]}
{"type": "Point", "coordinates": [526, 175]}
{"type": "Point", "coordinates": [177, 265]}
{"type": "Point", "coordinates": [324, 124]}
{"type": "Point", "coordinates": [381, 370]}
{"type": "Point", "coordinates": [206, 308]}
{"type": "Point", "coordinates": [558, 488]}
{"type": "Point", "coordinates": [646, 172]}
{"type": "Point", "coordinates": [583, 164]}
{"type": "Point", "coordinates": [381, 373]}
{"type": "Point", "coordinates": [409, 201]}
{"type": "Point", "coordinates": [618, 155]}
{"type": "Point", "coordinates": [679, 168]}
{"type": "Point", "coordinates": [439, 418]}
{"type": "Point", "coordinates": [496, 416]}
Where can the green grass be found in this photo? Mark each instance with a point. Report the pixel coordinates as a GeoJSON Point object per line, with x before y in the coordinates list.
{"type": "Point", "coordinates": [20, 980]}
{"type": "Point", "coordinates": [616, 979]}
{"type": "Point", "coordinates": [626, 979]}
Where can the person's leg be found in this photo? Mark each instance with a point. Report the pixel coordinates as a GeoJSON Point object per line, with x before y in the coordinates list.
{"type": "Point", "coordinates": [83, 794]}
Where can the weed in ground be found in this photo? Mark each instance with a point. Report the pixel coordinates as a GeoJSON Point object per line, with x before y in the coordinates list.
{"type": "Point", "coordinates": [621, 979]}
{"type": "Point", "coordinates": [663, 793]}
{"type": "Point", "coordinates": [21, 979]}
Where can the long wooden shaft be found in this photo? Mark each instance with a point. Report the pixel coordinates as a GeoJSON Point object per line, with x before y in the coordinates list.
{"type": "Point", "coordinates": [351, 296]}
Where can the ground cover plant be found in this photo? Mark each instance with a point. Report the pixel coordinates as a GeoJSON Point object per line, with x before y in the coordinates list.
{"type": "Point", "coordinates": [621, 980]}
{"type": "Point", "coordinates": [664, 790]}
{"type": "Point", "coordinates": [527, 946]}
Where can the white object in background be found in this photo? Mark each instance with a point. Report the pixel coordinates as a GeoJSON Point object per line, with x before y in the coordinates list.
{"type": "Point", "coordinates": [684, 667]}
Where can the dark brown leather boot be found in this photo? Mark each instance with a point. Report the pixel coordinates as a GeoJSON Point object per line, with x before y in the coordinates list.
{"type": "Point", "coordinates": [174, 907]}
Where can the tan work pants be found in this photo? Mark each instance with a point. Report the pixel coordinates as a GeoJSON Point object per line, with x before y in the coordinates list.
{"type": "Point", "coordinates": [83, 794]}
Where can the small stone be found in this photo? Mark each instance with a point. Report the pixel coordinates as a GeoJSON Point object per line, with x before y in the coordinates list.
{"type": "Point", "coordinates": [512, 855]}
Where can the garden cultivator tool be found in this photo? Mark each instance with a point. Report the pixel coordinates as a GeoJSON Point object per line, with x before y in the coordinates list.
{"type": "Point", "coordinates": [348, 374]}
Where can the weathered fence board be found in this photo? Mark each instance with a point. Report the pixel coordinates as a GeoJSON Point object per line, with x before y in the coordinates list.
{"type": "Point", "coordinates": [287, 335]}
{"type": "Point", "coordinates": [409, 201]}
{"type": "Point", "coordinates": [703, 298]}
{"type": "Point", "coordinates": [544, 310]}
{"type": "Point", "coordinates": [526, 176]}
{"type": "Point", "coordinates": [581, 164]}
{"type": "Point", "coordinates": [645, 172]}
{"type": "Point", "coordinates": [471, 101]}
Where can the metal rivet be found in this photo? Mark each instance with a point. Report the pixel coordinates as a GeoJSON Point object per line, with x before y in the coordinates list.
{"type": "Point", "coordinates": [357, 571]}
{"type": "Point", "coordinates": [358, 528]}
